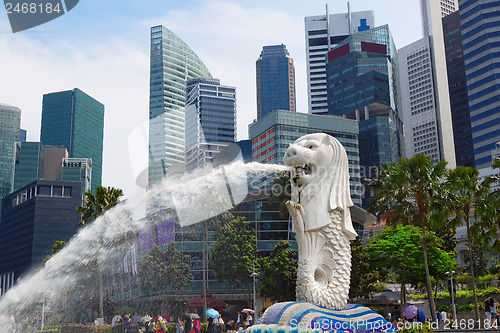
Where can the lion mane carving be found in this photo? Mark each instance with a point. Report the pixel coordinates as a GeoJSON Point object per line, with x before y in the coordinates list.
{"type": "Point", "coordinates": [320, 211]}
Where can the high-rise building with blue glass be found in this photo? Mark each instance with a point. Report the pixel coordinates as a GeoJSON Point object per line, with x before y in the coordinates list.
{"type": "Point", "coordinates": [75, 120]}
{"type": "Point", "coordinates": [172, 64]}
{"type": "Point", "coordinates": [10, 122]}
{"type": "Point", "coordinates": [275, 80]}
{"type": "Point", "coordinates": [210, 120]}
{"type": "Point", "coordinates": [362, 80]}
{"type": "Point", "coordinates": [457, 84]}
{"type": "Point", "coordinates": [480, 25]}
{"type": "Point", "coordinates": [29, 163]}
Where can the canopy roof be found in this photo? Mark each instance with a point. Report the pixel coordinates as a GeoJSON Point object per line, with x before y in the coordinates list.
{"type": "Point", "coordinates": [212, 302]}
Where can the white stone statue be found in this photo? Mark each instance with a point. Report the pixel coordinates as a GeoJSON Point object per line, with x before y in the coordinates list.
{"type": "Point", "coordinates": [321, 219]}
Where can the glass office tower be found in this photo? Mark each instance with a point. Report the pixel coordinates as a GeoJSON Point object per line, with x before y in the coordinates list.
{"type": "Point", "coordinates": [275, 80]}
{"type": "Point", "coordinates": [457, 84]}
{"type": "Point", "coordinates": [210, 120]}
{"type": "Point", "coordinates": [362, 81]}
{"type": "Point", "coordinates": [173, 63]}
{"type": "Point", "coordinates": [29, 163]}
{"type": "Point", "coordinates": [480, 24]}
{"type": "Point", "coordinates": [75, 121]}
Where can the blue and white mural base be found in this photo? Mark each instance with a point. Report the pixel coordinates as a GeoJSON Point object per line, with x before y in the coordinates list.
{"type": "Point", "coordinates": [302, 317]}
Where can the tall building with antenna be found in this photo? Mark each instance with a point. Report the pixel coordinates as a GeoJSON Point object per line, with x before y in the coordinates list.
{"type": "Point", "coordinates": [172, 64]}
{"type": "Point", "coordinates": [323, 33]}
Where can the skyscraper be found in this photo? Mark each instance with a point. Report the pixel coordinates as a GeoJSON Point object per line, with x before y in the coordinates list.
{"type": "Point", "coordinates": [29, 163]}
{"type": "Point", "coordinates": [457, 83]}
{"type": "Point", "coordinates": [362, 80]}
{"type": "Point", "coordinates": [10, 123]}
{"type": "Point", "coordinates": [173, 63]}
{"type": "Point", "coordinates": [75, 121]}
{"type": "Point", "coordinates": [324, 32]}
{"type": "Point", "coordinates": [480, 24]}
{"type": "Point", "coordinates": [426, 110]}
{"type": "Point", "coordinates": [275, 80]}
{"type": "Point", "coordinates": [210, 120]}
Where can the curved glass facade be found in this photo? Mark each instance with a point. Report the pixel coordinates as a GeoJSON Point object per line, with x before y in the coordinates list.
{"type": "Point", "coordinates": [172, 63]}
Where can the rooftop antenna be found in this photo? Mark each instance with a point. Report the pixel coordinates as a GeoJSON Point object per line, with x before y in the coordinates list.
{"type": "Point", "coordinates": [328, 28]}
{"type": "Point", "coordinates": [349, 16]}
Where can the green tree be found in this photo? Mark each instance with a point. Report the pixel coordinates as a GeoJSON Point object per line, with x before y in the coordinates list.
{"type": "Point", "coordinates": [56, 247]}
{"type": "Point", "coordinates": [281, 191]}
{"type": "Point", "coordinates": [165, 267]}
{"type": "Point", "coordinates": [398, 250]}
{"type": "Point", "coordinates": [363, 275]}
{"type": "Point", "coordinates": [278, 273]}
{"type": "Point", "coordinates": [234, 253]}
{"type": "Point", "coordinates": [411, 191]}
{"type": "Point", "coordinates": [470, 203]}
{"type": "Point", "coordinates": [93, 207]}
{"type": "Point", "coordinates": [95, 204]}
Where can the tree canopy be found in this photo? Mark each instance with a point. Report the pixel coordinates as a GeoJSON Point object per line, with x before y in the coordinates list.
{"type": "Point", "coordinates": [364, 276]}
{"type": "Point", "coordinates": [164, 267]}
{"type": "Point", "coordinates": [278, 273]}
{"type": "Point", "coordinates": [399, 250]}
{"type": "Point", "coordinates": [234, 253]}
{"type": "Point", "coordinates": [95, 204]}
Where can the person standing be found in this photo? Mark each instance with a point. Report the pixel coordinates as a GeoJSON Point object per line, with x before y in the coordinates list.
{"type": "Point", "coordinates": [494, 312]}
{"type": "Point", "coordinates": [249, 320]}
{"type": "Point", "coordinates": [487, 307]}
{"type": "Point", "coordinates": [218, 322]}
{"type": "Point", "coordinates": [239, 321]}
{"type": "Point", "coordinates": [187, 321]}
{"type": "Point", "coordinates": [178, 325]}
{"type": "Point", "coordinates": [196, 325]}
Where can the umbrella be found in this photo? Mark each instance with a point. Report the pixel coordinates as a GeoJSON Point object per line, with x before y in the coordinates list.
{"type": "Point", "coordinates": [411, 312]}
{"type": "Point", "coordinates": [421, 316]}
{"type": "Point", "coordinates": [212, 313]}
{"type": "Point", "coordinates": [195, 316]}
{"type": "Point", "coordinates": [247, 311]}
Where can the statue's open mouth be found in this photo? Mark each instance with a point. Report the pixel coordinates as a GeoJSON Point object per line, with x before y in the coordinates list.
{"type": "Point", "coordinates": [306, 169]}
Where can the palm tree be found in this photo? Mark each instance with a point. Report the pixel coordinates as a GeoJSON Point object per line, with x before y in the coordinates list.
{"type": "Point", "coordinates": [470, 201]}
{"type": "Point", "coordinates": [93, 207]}
{"type": "Point", "coordinates": [411, 191]}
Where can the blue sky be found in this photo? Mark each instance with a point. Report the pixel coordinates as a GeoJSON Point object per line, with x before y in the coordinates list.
{"type": "Point", "coordinates": [102, 46]}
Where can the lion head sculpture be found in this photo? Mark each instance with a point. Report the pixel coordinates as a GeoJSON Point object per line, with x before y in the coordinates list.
{"type": "Point", "coordinates": [320, 173]}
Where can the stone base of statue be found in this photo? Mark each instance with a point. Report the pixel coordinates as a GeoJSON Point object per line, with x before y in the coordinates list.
{"type": "Point", "coordinates": [302, 317]}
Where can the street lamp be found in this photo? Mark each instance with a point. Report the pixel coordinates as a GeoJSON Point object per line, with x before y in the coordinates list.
{"type": "Point", "coordinates": [452, 295]}
{"type": "Point", "coordinates": [254, 276]}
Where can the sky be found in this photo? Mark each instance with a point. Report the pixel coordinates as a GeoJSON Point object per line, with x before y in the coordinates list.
{"type": "Point", "coordinates": [102, 48]}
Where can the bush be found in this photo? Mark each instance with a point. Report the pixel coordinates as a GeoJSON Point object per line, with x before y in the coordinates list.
{"type": "Point", "coordinates": [91, 329]}
{"type": "Point", "coordinates": [485, 278]}
{"type": "Point", "coordinates": [464, 278]}
{"type": "Point", "coordinates": [460, 293]}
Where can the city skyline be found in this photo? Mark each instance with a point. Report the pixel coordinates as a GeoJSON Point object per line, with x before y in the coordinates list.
{"type": "Point", "coordinates": [103, 49]}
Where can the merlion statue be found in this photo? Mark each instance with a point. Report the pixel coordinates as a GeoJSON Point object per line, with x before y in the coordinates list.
{"type": "Point", "coordinates": [320, 211]}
